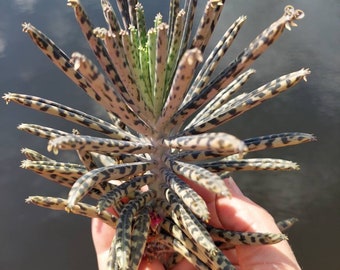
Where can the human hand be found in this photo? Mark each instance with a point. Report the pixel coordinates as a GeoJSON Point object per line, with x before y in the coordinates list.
{"type": "Point", "coordinates": [239, 214]}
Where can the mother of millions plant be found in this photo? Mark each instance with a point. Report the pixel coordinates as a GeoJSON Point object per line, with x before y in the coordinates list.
{"type": "Point", "coordinates": [163, 101]}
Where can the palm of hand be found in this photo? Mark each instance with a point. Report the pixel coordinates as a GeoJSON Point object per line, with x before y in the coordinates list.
{"type": "Point", "coordinates": [238, 213]}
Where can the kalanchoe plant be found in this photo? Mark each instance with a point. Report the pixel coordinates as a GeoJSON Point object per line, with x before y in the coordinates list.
{"type": "Point", "coordinates": [163, 103]}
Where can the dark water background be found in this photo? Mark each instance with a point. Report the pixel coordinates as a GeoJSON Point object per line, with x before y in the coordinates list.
{"type": "Point", "coordinates": [35, 238]}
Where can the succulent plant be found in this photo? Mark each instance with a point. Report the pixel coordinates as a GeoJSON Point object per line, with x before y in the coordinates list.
{"type": "Point", "coordinates": [163, 100]}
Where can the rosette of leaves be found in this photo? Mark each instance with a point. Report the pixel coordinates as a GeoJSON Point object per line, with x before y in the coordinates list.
{"type": "Point", "coordinates": [163, 101]}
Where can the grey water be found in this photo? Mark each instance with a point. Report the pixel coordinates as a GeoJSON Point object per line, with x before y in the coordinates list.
{"type": "Point", "coordinates": [36, 238]}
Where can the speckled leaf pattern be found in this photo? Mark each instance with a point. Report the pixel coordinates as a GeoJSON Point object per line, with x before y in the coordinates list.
{"type": "Point", "coordinates": [63, 173]}
{"type": "Point", "coordinates": [284, 225]}
{"type": "Point", "coordinates": [277, 140]}
{"type": "Point", "coordinates": [250, 164]}
{"type": "Point", "coordinates": [221, 98]}
{"type": "Point", "coordinates": [124, 228]}
{"type": "Point", "coordinates": [70, 114]}
{"type": "Point", "coordinates": [184, 75]}
{"type": "Point", "coordinates": [117, 171]}
{"type": "Point", "coordinates": [207, 25]}
{"type": "Point", "coordinates": [109, 98]}
{"type": "Point", "coordinates": [113, 197]}
{"type": "Point", "coordinates": [139, 237]}
{"type": "Point", "coordinates": [210, 64]}
{"type": "Point", "coordinates": [217, 142]}
{"type": "Point", "coordinates": [99, 145]}
{"type": "Point", "coordinates": [33, 155]}
{"type": "Point", "coordinates": [244, 60]}
{"type": "Point", "coordinates": [189, 225]}
{"type": "Point", "coordinates": [187, 194]}
{"type": "Point", "coordinates": [42, 131]}
{"type": "Point", "coordinates": [200, 176]}
{"type": "Point", "coordinates": [163, 100]}
{"type": "Point", "coordinates": [236, 107]}
{"type": "Point", "coordinates": [83, 209]}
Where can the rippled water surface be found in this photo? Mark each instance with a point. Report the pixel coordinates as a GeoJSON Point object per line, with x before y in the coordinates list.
{"type": "Point", "coordinates": [34, 238]}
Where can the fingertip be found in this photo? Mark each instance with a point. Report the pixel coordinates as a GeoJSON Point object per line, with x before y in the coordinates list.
{"type": "Point", "coordinates": [241, 213]}
{"type": "Point", "coordinates": [102, 235]}
{"type": "Point", "coordinates": [232, 187]}
{"type": "Point", "coordinates": [150, 265]}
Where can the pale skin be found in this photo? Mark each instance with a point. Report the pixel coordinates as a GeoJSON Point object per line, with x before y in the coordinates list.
{"type": "Point", "coordinates": [237, 213]}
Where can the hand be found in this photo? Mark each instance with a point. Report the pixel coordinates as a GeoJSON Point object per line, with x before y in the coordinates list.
{"type": "Point", "coordinates": [238, 213]}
